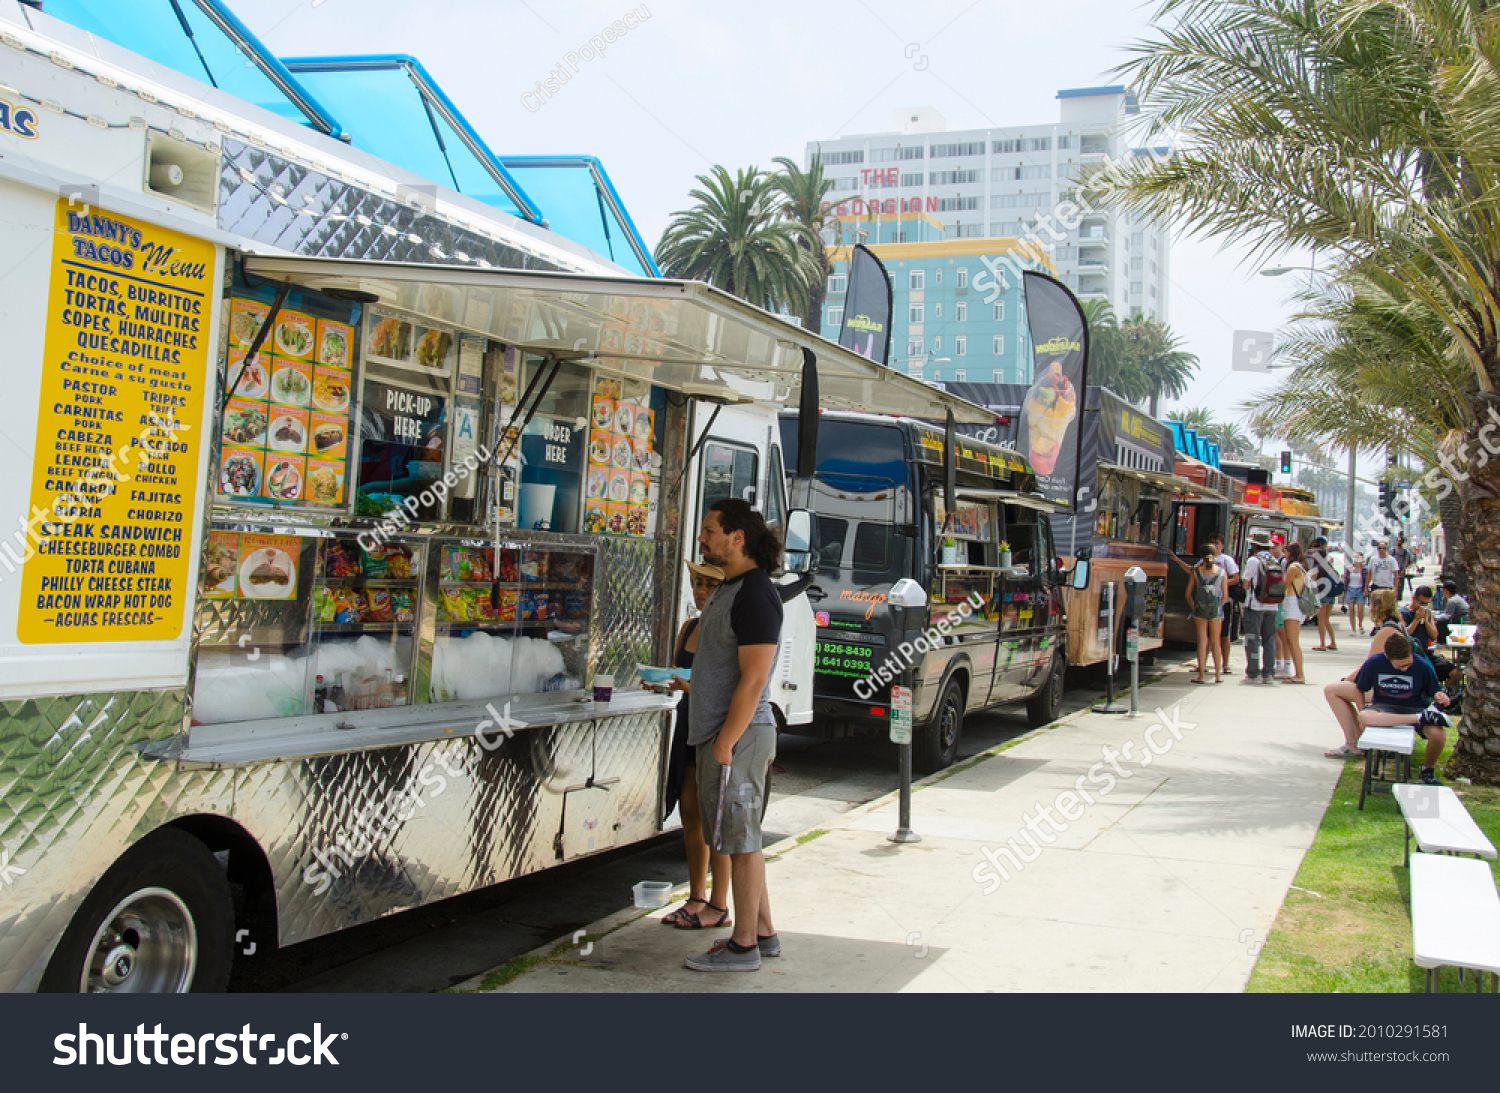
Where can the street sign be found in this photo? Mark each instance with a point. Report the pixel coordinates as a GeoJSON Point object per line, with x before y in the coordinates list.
{"type": "Point", "coordinates": [900, 715]}
{"type": "Point", "coordinates": [1252, 351]}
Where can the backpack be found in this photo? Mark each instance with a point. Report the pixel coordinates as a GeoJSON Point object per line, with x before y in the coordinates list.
{"type": "Point", "coordinates": [1270, 580]}
{"type": "Point", "coordinates": [1307, 599]}
{"type": "Point", "coordinates": [1205, 594]}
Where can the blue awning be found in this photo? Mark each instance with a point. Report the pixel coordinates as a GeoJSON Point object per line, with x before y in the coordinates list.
{"type": "Point", "coordinates": [580, 203]}
{"type": "Point", "coordinates": [202, 40]}
{"type": "Point", "coordinates": [393, 109]}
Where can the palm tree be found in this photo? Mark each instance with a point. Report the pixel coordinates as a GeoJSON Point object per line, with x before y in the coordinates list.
{"type": "Point", "coordinates": [1366, 129]}
{"type": "Point", "coordinates": [736, 238]}
{"type": "Point", "coordinates": [1106, 350]}
{"type": "Point", "coordinates": [804, 192]}
{"type": "Point", "coordinates": [1138, 359]}
{"type": "Point", "coordinates": [1372, 371]}
{"type": "Point", "coordinates": [1230, 438]}
{"type": "Point", "coordinates": [1157, 356]}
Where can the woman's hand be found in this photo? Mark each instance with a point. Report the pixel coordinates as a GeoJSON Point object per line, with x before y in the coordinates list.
{"type": "Point", "coordinates": [677, 683]}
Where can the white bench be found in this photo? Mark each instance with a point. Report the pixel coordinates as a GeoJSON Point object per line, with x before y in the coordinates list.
{"type": "Point", "coordinates": [1377, 743]}
{"type": "Point", "coordinates": [1455, 917]}
{"type": "Point", "coordinates": [1441, 825]}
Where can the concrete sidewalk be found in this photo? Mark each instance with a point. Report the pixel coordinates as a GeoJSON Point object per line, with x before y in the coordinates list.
{"type": "Point", "coordinates": [1168, 880]}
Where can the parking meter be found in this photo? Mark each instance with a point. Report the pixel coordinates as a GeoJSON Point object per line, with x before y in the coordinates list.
{"type": "Point", "coordinates": [1135, 592]}
{"type": "Point", "coordinates": [1135, 608]}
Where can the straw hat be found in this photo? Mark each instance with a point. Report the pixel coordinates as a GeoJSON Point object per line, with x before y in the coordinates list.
{"type": "Point", "coordinates": [711, 571]}
{"type": "Point", "coordinates": [1260, 539]}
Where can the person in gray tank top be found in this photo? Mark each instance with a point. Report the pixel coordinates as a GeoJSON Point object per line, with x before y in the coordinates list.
{"type": "Point", "coordinates": [731, 723]}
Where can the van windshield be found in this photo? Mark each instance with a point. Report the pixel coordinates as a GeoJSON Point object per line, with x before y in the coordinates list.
{"type": "Point", "coordinates": [859, 492]}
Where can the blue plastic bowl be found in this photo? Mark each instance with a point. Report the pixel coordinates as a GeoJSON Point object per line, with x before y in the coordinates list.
{"type": "Point", "coordinates": [661, 675]}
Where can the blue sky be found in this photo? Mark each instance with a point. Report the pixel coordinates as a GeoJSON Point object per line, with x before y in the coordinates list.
{"type": "Point", "coordinates": [704, 83]}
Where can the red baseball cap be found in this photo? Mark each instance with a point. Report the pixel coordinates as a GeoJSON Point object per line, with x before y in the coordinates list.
{"type": "Point", "coordinates": [1278, 539]}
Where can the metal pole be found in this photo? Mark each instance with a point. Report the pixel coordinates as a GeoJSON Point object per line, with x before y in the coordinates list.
{"type": "Point", "coordinates": [904, 833]}
{"type": "Point", "coordinates": [1349, 510]}
{"type": "Point", "coordinates": [1135, 674]}
{"type": "Point", "coordinates": [1116, 633]}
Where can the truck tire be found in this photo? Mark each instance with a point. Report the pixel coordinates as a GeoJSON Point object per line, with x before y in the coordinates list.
{"type": "Point", "coordinates": [1042, 707]}
{"type": "Point", "coordinates": [160, 921]}
{"type": "Point", "coordinates": [935, 744]}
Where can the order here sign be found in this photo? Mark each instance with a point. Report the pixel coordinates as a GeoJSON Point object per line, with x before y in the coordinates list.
{"type": "Point", "coordinates": [114, 490]}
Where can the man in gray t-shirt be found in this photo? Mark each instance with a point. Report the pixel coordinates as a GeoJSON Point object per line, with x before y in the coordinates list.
{"type": "Point", "coordinates": [730, 720]}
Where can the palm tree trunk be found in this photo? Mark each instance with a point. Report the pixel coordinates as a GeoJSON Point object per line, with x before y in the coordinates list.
{"type": "Point", "coordinates": [813, 320]}
{"type": "Point", "coordinates": [1451, 515]}
{"type": "Point", "coordinates": [1155, 398]}
{"type": "Point", "coordinates": [1476, 752]}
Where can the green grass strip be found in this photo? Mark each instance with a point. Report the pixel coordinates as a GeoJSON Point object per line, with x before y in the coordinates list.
{"type": "Point", "coordinates": [1354, 934]}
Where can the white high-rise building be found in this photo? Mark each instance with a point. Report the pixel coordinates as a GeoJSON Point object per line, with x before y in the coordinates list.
{"type": "Point", "coordinates": [1014, 182]}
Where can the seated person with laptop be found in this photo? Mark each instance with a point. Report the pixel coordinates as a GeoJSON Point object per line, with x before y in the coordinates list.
{"type": "Point", "coordinates": [1393, 687]}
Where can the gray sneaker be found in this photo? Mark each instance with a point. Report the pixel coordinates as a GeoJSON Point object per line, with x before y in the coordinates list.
{"type": "Point", "coordinates": [721, 958]}
{"type": "Point", "coordinates": [769, 946]}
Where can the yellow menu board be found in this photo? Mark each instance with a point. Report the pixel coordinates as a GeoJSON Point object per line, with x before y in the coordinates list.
{"type": "Point", "coordinates": [114, 487]}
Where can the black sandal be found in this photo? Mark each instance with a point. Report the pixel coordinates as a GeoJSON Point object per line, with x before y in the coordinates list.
{"type": "Point", "coordinates": [687, 921]}
{"type": "Point", "coordinates": [676, 916]}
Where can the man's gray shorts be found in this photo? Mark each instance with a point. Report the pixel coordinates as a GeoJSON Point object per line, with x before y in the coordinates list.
{"type": "Point", "coordinates": [745, 802]}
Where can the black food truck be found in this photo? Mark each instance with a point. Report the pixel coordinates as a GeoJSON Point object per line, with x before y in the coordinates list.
{"type": "Point", "coordinates": [991, 631]}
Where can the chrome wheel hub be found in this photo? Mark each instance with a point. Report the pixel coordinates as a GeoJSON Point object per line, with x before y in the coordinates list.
{"type": "Point", "coordinates": [146, 945]}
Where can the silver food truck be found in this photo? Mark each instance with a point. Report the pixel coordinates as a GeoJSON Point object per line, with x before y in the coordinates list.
{"type": "Point", "coordinates": [340, 492]}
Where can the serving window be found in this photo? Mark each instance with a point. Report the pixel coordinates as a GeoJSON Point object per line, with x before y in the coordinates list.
{"type": "Point", "coordinates": [434, 543]}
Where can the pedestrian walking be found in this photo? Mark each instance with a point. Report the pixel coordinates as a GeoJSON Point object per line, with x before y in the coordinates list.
{"type": "Point", "coordinates": [1383, 570]}
{"type": "Point", "coordinates": [731, 722]}
{"type": "Point", "coordinates": [1328, 585]}
{"type": "Point", "coordinates": [1265, 584]}
{"type": "Point", "coordinates": [1205, 595]}
{"type": "Point", "coordinates": [1301, 597]}
{"type": "Point", "coordinates": [1404, 559]}
{"type": "Point", "coordinates": [1234, 596]}
{"type": "Point", "coordinates": [1356, 576]}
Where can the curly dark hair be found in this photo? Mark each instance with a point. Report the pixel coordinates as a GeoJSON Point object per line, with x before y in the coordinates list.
{"type": "Point", "coordinates": [761, 543]}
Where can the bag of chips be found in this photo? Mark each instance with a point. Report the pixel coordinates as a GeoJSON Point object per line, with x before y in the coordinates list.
{"type": "Point", "coordinates": [453, 603]}
{"type": "Point", "coordinates": [379, 601]}
{"type": "Point", "coordinates": [341, 560]}
{"type": "Point", "coordinates": [401, 605]}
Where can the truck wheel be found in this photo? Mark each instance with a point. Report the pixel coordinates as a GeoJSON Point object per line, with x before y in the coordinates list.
{"type": "Point", "coordinates": [1042, 707]}
{"type": "Point", "coordinates": [160, 921]}
{"type": "Point", "coordinates": [936, 743]}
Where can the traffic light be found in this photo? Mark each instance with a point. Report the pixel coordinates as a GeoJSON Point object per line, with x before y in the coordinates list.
{"type": "Point", "coordinates": [1286, 462]}
{"type": "Point", "coordinates": [1385, 499]}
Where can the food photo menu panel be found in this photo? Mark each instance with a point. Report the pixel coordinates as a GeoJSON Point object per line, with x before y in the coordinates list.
{"type": "Point", "coordinates": [285, 429]}
{"type": "Point", "coordinates": [617, 482]}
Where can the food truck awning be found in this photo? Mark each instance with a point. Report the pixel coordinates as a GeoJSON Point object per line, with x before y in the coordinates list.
{"type": "Point", "coordinates": [685, 336]}
{"type": "Point", "coordinates": [1171, 481]}
{"type": "Point", "coordinates": [1010, 497]}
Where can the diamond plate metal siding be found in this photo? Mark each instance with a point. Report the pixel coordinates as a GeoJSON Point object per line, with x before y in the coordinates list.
{"type": "Point", "coordinates": [73, 795]}
{"type": "Point", "coordinates": [625, 614]}
{"type": "Point", "coordinates": [305, 211]}
{"type": "Point", "coordinates": [349, 837]}
{"type": "Point", "coordinates": [342, 853]}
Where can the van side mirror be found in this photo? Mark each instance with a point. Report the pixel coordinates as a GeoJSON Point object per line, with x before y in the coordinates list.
{"type": "Point", "coordinates": [1080, 576]}
{"type": "Point", "coordinates": [801, 533]}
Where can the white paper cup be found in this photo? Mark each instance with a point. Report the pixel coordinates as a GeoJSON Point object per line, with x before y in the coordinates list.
{"type": "Point", "coordinates": [604, 689]}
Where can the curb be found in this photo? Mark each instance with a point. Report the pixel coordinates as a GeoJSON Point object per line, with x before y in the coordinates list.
{"type": "Point", "coordinates": [553, 951]}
